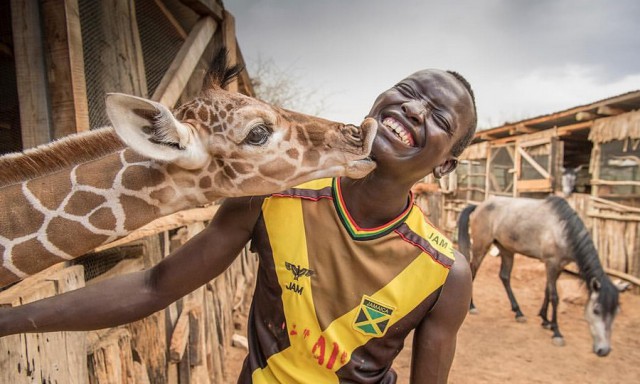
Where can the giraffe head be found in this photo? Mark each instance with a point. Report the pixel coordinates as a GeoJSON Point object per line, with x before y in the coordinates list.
{"type": "Point", "coordinates": [245, 146]}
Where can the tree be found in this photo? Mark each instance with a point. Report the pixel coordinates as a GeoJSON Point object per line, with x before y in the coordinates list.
{"type": "Point", "coordinates": [282, 88]}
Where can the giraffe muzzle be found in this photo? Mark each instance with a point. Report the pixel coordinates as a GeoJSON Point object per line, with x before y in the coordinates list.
{"type": "Point", "coordinates": [360, 138]}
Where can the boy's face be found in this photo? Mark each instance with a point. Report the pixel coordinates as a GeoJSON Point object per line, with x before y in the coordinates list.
{"type": "Point", "coordinates": [420, 119]}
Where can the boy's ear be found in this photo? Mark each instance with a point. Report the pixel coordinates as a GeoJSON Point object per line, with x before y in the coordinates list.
{"type": "Point", "coordinates": [446, 167]}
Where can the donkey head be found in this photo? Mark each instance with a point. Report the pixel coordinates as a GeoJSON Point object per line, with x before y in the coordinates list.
{"type": "Point", "coordinates": [569, 176]}
{"type": "Point", "coordinates": [600, 311]}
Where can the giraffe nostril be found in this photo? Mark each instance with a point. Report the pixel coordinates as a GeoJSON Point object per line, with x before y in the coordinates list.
{"type": "Point", "coordinates": [353, 133]}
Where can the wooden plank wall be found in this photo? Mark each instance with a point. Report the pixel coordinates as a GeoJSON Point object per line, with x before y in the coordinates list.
{"type": "Point", "coordinates": [44, 357]}
{"type": "Point", "coordinates": [122, 58]}
{"type": "Point", "coordinates": [65, 63]}
{"type": "Point", "coordinates": [31, 75]}
{"type": "Point", "coordinates": [615, 230]}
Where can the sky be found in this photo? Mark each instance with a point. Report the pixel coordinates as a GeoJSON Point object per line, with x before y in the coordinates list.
{"type": "Point", "coordinates": [523, 58]}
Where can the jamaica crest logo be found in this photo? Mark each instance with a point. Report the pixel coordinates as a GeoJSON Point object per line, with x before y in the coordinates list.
{"type": "Point", "coordinates": [297, 272]}
{"type": "Point", "coordinates": [373, 317]}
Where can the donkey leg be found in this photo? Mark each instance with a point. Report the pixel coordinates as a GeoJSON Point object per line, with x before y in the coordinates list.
{"type": "Point", "coordinates": [545, 309]}
{"type": "Point", "coordinates": [479, 250]}
{"type": "Point", "coordinates": [553, 272]}
{"type": "Point", "coordinates": [506, 266]}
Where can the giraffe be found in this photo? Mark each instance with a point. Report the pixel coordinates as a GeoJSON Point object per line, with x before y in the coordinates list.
{"type": "Point", "coordinates": [62, 200]}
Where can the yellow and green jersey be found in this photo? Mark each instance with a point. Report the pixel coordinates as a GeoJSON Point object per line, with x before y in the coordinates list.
{"type": "Point", "coordinates": [334, 302]}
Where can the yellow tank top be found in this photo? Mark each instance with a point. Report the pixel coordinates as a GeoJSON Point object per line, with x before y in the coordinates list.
{"type": "Point", "coordinates": [334, 302]}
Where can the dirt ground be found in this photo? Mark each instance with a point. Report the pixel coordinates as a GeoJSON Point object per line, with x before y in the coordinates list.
{"type": "Point", "coordinates": [494, 348]}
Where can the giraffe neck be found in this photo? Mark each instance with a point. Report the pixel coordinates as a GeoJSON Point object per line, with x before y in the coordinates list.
{"type": "Point", "coordinates": [71, 211]}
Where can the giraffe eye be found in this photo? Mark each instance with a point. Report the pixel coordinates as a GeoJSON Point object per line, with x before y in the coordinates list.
{"type": "Point", "coordinates": [258, 135]}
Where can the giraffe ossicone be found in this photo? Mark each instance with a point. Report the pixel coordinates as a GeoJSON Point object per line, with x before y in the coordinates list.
{"type": "Point", "coordinates": [61, 200]}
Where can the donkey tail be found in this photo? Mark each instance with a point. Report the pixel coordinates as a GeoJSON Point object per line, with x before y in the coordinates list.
{"type": "Point", "coordinates": [464, 241]}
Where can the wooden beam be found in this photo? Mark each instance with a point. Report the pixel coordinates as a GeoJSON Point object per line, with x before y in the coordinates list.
{"type": "Point", "coordinates": [607, 110]}
{"type": "Point", "coordinates": [535, 142]}
{"type": "Point", "coordinates": [615, 182]}
{"type": "Point", "coordinates": [613, 216]}
{"type": "Point", "coordinates": [533, 163]}
{"type": "Point", "coordinates": [612, 205]}
{"type": "Point", "coordinates": [172, 19]}
{"type": "Point", "coordinates": [180, 336]}
{"type": "Point", "coordinates": [177, 76]}
{"type": "Point", "coordinates": [486, 136]}
{"type": "Point", "coordinates": [31, 75]}
{"type": "Point", "coordinates": [196, 336]}
{"type": "Point", "coordinates": [584, 116]}
{"type": "Point", "coordinates": [522, 128]}
{"type": "Point", "coordinates": [165, 223]}
{"type": "Point", "coordinates": [67, 85]}
{"type": "Point", "coordinates": [206, 8]}
{"type": "Point", "coordinates": [504, 140]}
{"type": "Point", "coordinates": [245, 81]}
{"type": "Point", "coordinates": [572, 268]}
{"type": "Point", "coordinates": [229, 41]}
{"type": "Point", "coordinates": [569, 129]}
{"type": "Point", "coordinates": [538, 185]}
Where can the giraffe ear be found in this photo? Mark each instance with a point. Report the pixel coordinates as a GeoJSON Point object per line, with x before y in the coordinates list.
{"type": "Point", "coordinates": [150, 129]}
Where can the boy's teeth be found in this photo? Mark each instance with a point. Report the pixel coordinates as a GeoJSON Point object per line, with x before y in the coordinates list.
{"type": "Point", "coordinates": [399, 130]}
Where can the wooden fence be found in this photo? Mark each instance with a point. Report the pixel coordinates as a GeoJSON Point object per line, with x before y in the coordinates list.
{"type": "Point", "coordinates": [184, 343]}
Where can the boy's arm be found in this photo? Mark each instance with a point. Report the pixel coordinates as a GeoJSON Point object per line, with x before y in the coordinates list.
{"type": "Point", "coordinates": [434, 342]}
{"type": "Point", "coordinates": [130, 297]}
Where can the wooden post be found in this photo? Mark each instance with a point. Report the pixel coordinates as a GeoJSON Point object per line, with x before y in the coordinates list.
{"type": "Point", "coordinates": [31, 77]}
{"type": "Point", "coordinates": [180, 336]}
{"type": "Point", "coordinates": [206, 8]}
{"type": "Point", "coordinates": [594, 168]}
{"type": "Point", "coordinates": [490, 153]}
{"type": "Point", "coordinates": [122, 57]}
{"type": "Point", "coordinates": [229, 41]}
{"type": "Point", "coordinates": [244, 81]}
{"type": "Point", "coordinates": [64, 53]}
{"type": "Point", "coordinates": [193, 87]}
{"type": "Point", "coordinates": [557, 158]}
{"type": "Point", "coordinates": [110, 358]}
{"type": "Point", "coordinates": [148, 334]}
{"type": "Point", "coordinates": [214, 345]}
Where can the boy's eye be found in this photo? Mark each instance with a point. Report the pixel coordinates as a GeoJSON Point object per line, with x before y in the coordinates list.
{"type": "Point", "coordinates": [406, 90]}
{"type": "Point", "coordinates": [442, 123]}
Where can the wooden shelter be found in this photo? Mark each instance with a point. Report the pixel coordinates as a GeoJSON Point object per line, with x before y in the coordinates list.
{"type": "Point", "coordinates": [58, 59]}
{"type": "Point", "coordinates": [527, 158]}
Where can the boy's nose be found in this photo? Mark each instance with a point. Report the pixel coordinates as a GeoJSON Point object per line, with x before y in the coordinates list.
{"type": "Point", "coordinates": [414, 110]}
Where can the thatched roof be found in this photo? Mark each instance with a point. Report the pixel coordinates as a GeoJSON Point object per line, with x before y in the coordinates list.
{"type": "Point", "coordinates": [620, 127]}
{"type": "Point", "coordinates": [574, 119]}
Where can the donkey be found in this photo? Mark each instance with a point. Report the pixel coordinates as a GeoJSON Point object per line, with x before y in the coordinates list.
{"type": "Point", "coordinates": [569, 179]}
{"type": "Point", "coordinates": [551, 231]}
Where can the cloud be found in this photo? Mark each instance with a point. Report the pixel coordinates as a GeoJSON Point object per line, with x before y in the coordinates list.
{"type": "Point", "coordinates": [523, 58]}
{"type": "Point", "coordinates": [551, 89]}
